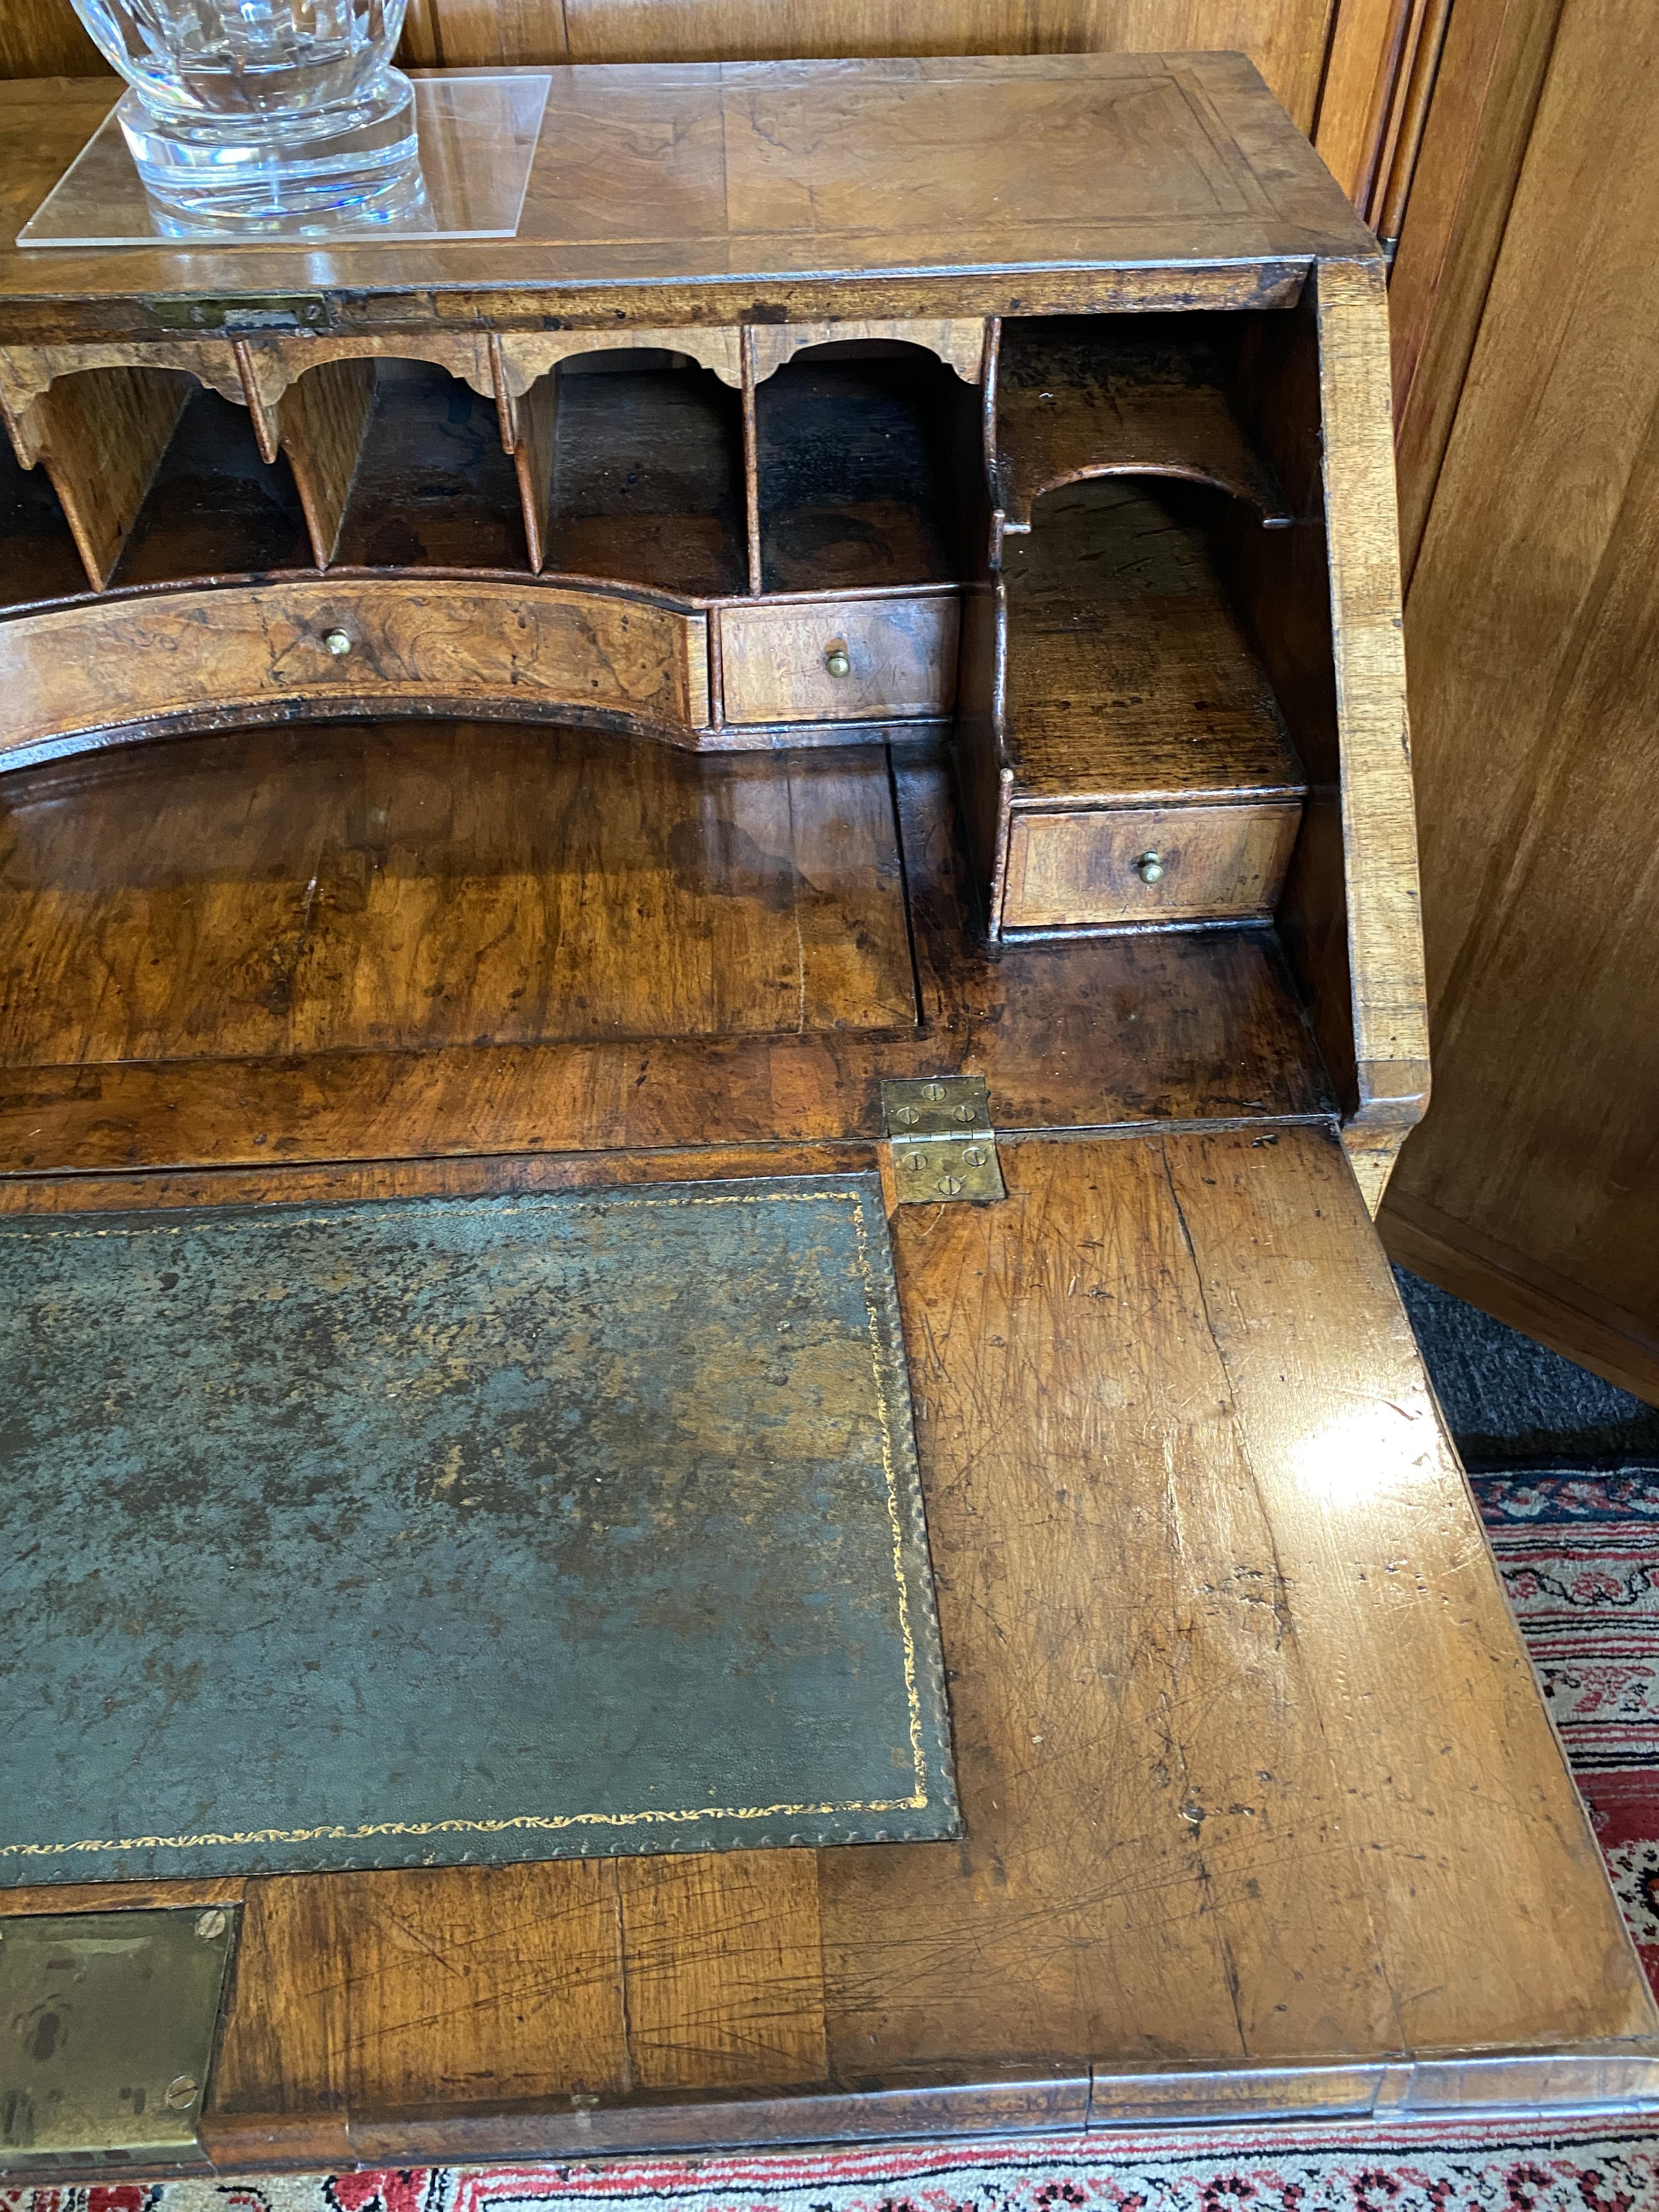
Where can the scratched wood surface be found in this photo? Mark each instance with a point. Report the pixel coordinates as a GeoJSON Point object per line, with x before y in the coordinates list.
{"type": "Point", "coordinates": [1254, 1772]}
{"type": "Point", "coordinates": [833, 187]}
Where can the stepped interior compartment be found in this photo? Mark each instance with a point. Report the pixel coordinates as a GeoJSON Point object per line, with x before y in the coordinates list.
{"type": "Point", "coordinates": [37, 555]}
{"type": "Point", "coordinates": [645, 484]}
{"type": "Point", "coordinates": [432, 487]}
{"type": "Point", "coordinates": [215, 509]}
{"type": "Point", "coordinates": [868, 464]}
{"type": "Point", "coordinates": [1150, 778]}
{"type": "Point", "coordinates": [1086, 395]}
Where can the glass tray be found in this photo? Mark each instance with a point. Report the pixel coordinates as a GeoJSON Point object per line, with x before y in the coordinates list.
{"type": "Point", "coordinates": [478, 134]}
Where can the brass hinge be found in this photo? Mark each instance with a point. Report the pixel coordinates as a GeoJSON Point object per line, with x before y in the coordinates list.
{"type": "Point", "coordinates": [944, 1149]}
{"type": "Point", "coordinates": [109, 2022]}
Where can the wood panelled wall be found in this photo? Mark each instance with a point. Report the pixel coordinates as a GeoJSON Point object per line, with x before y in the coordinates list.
{"type": "Point", "coordinates": [1345, 68]}
{"type": "Point", "coordinates": [1527, 326]}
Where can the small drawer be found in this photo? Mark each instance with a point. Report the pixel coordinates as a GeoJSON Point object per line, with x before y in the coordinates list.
{"type": "Point", "coordinates": [839, 660]}
{"type": "Point", "coordinates": [1102, 867]}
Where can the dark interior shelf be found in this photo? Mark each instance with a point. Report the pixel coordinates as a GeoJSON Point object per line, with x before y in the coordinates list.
{"type": "Point", "coordinates": [38, 557]}
{"type": "Point", "coordinates": [433, 487]}
{"type": "Point", "coordinates": [1131, 672]}
{"type": "Point", "coordinates": [866, 467]}
{"type": "Point", "coordinates": [215, 509]}
{"type": "Point", "coordinates": [648, 476]}
{"type": "Point", "coordinates": [1087, 395]}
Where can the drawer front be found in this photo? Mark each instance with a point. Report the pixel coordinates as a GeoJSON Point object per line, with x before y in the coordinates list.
{"type": "Point", "coordinates": [839, 660]}
{"type": "Point", "coordinates": [528, 650]}
{"type": "Point", "coordinates": [1102, 867]}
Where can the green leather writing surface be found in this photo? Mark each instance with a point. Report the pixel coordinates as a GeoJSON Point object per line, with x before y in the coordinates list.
{"type": "Point", "coordinates": [423, 1530]}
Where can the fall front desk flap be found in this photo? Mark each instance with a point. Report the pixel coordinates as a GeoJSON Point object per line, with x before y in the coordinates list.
{"type": "Point", "coordinates": [422, 1530]}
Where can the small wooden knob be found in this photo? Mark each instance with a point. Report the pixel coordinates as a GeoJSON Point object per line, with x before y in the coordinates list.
{"type": "Point", "coordinates": [836, 658]}
{"type": "Point", "coordinates": [337, 642]}
{"type": "Point", "coordinates": [1150, 867]}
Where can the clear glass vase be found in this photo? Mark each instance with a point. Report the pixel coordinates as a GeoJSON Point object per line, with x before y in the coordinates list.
{"type": "Point", "coordinates": [245, 114]}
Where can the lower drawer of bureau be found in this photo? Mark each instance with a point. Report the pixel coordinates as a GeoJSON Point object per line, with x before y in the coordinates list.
{"type": "Point", "coordinates": [1100, 867]}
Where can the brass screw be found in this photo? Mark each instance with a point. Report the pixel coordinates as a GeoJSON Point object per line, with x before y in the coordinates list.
{"type": "Point", "coordinates": [337, 642]}
{"type": "Point", "coordinates": [973, 1157]}
{"type": "Point", "coordinates": [837, 658]}
{"type": "Point", "coordinates": [949, 1185]}
{"type": "Point", "coordinates": [933, 1090]}
{"type": "Point", "coordinates": [969, 1113]}
{"type": "Point", "coordinates": [909, 1115]}
{"type": "Point", "coordinates": [210, 1923]}
{"type": "Point", "coordinates": [1150, 867]}
{"type": "Point", "coordinates": [182, 2092]}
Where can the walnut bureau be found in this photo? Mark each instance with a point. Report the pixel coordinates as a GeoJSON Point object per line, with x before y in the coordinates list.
{"type": "Point", "coordinates": [891, 573]}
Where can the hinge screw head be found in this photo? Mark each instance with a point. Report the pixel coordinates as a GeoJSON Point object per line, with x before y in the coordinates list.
{"type": "Point", "coordinates": [182, 2092]}
{"type": "Point", "coordinates": [210, 1923]}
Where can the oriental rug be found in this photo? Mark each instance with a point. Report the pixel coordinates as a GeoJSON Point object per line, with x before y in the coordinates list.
{"type": "Point", "coordinates": [1594, 2164]}
{"type": "Point", "coordinates": [1579, 1555]}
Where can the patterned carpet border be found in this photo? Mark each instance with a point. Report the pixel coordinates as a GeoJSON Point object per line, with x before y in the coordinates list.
{"type": "Point", "coordinates": [1593, 2163]}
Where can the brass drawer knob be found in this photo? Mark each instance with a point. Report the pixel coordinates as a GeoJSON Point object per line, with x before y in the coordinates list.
{"type": "Point", "coordinates": [837, 658]}
{"type": "Point", "coordinates": [1150, 867]}
{"type": "Point", "coordinates": [337, 642]}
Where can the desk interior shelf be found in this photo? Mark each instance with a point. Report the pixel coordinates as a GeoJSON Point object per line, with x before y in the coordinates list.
{"type": "Point", "coordinates": [1151, 778]}
{"type": "Point", "coordinates": [1122, 395]}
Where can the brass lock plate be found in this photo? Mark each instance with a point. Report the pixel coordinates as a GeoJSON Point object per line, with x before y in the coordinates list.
{"type": "Point", "coordinates": [944, 1148]}
{"type": "Point", "coordinates": [107, 2026]}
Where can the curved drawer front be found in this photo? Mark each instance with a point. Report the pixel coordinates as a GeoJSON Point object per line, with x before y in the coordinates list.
{"type": "Point", "coordinates": [368, 643]}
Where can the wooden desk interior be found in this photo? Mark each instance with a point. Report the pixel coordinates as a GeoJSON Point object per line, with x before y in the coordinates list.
{"type": "Point", "coordinates": [1263, 1811]}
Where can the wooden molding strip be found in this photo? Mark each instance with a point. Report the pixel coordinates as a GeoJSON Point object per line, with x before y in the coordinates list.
{"type": "Point", "coordinates": [1379, 829]}
{"type": "Point", "coordinates": [960, 344]}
